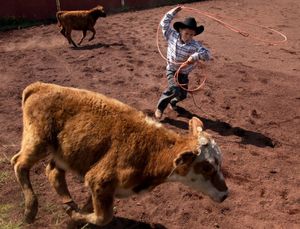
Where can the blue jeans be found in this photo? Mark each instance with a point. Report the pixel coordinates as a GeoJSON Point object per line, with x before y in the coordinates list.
{"type": "Point", "coordinates": [173, 93]}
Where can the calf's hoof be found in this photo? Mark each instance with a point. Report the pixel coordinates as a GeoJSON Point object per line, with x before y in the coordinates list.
{"type": "Point", "coordinates": [71, 207]}
{"type": "Point", "coordinates": [31, 211]}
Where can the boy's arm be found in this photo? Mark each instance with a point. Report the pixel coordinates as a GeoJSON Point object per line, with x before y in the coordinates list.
{"type": "Point", "coordinates": [202, 53]}
{"type": "Point", "coordinates": [166, 22]}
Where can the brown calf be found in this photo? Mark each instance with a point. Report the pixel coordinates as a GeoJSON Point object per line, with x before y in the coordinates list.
{"type": "Point", "coordinates": [118, 150]}
{"type": "Point", "coordinates": [79, 20]}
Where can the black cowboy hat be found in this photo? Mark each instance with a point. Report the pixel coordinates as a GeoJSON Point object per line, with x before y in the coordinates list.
{"type": "Point", "coordinates": [189, 23]}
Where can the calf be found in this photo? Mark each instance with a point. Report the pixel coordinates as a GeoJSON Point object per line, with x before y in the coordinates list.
{"type": "Point", "coordinates": [118, 150]}
{"type": "Point", "coordinates": [79, 20]}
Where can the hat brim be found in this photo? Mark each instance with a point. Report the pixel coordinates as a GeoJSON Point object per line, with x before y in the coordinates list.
{"type": "Point", "coordinates": [179, 25]}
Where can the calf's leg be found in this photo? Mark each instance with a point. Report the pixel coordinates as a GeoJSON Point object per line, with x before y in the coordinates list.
{"type": "Point", "coordinates": [68, 35]}
{"type": "Point", "coordinates": [83, 36]}
{"type": "Point", "coordinates": [63, 31]}
{"type": "Point", "coordinates": [93, 35]}
{"type": "Point", "coordinates": [32, 151]}
{"type": "Point", "coordinates": [88, 205]}
{"type": "Point", "coordinates": [102, 189]}
{"type": "Point", "coordinates": [103, 208]}
{"type": "Point", "coordinates": [56, 177]}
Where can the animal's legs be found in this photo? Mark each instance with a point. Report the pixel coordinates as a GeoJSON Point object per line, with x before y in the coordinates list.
{"type": "Point", "coordinates": [83, 36]}
{"type": "Point", "coordinates": [88, 206]}
{"type": "Point", "coordinates": [57, 180]}
{"type": "Point", "coordinates": [32, 151]}
{"type": "Point", "coordinates": [68, 35]}
{"type": "Point", "coordinates": [94, 32]}
{"type": "Point", "coordinates": [63, 31]}
{"type": "Point", "coordinates": [102, 190]}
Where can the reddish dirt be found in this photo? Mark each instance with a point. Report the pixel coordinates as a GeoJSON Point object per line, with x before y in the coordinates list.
{"type": "Point", "coordinates": [250, 104]}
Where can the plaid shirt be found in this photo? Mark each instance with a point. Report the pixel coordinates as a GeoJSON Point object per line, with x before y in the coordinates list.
{"type": "Point", "coordinates": [179, 51]}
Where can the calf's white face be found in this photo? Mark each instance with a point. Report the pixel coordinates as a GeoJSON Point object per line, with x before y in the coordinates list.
{"type": "Point", "coordinates": [205, 174]}
{"type": "Point", "coordinates": [201, 169]}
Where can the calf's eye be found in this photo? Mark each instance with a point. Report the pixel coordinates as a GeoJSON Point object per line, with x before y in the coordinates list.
{"type": "Point", "coordinates": [207, 168]}
{"type": "Point", "coordinates": [204, 168]}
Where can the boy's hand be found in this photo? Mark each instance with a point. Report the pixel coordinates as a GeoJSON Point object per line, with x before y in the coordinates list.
{"type": "Point", "coordinates": [177, 9]}
{"type": "Point", "coordinates": [190, 60]}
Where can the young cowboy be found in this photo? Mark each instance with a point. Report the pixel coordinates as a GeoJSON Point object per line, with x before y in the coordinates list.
{"type": "Point", "coordinates": [181, 48]}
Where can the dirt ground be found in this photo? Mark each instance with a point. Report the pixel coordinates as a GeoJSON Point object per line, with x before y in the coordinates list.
{"type": "Point", "coordinates": [250, 104]}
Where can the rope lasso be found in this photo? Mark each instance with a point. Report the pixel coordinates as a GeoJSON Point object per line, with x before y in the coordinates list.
{"type": "Point", "coordinates": [191, 91]}
{"type": "Point", "coordinates": [181, 65]}
{"type": "Point", "coordinates": [241, 32]}
{"type": "Point", "coordinates": [176, 75]}
{"type": "Point", "coordinates": [226, 25]}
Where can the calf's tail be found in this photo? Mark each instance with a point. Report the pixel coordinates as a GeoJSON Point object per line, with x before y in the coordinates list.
{"type": "Point", "coordinates": [58, 17]}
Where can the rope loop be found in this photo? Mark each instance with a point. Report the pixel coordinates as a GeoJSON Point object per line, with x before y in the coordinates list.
{"type": "Point", "coordinates": [226, 25]}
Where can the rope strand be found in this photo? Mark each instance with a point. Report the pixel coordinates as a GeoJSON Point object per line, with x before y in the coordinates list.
{"type": "Point", "coordinates": [226, 25]}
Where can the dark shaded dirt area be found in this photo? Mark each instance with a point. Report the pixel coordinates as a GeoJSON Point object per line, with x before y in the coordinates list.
{"type": "Point", "coordinates": [250, 104]}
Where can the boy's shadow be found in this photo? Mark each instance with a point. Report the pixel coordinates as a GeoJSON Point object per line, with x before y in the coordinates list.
{"type": "Point", "coordinates": [96, 46]}
{"type": "Point", "coordinates": [117, 223]}
{"type": "Point", "coordinates": [224, 129]}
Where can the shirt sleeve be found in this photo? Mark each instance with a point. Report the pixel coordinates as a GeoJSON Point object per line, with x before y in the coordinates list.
{"type": "Point", "coordinates": [201, 53]}
{"type": "Point", "coordinates": [165, 24]}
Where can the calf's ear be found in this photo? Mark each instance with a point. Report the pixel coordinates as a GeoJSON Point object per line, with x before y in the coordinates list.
{"type": "Point", "coordinates": [195, 126]}
{"type": "Point", "coordinates": [184, 158]}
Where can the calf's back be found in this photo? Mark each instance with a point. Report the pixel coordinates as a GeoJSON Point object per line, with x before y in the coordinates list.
{"type": "Point", "coordinates": [82, 127]}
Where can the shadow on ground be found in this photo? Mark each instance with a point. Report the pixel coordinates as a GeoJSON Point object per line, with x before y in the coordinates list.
{"type": "Point", "coordinates": [224, 129]}
{"type": "Point", "coordinates": [96, 46]}
{"type": "Point", "coordinates": [118, 223]}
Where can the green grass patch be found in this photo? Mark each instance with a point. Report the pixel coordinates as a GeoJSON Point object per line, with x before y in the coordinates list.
{"type": "Point", "coordinates": [10, 225]}
{"type": "Point", "coordinates": [4, 176]}
{"type": "Point", "coordinates": [2, 160]}
{"type": "Point", "coordinates": [4, 208]}
{"type": "Point", "coordinates": [5, 222]}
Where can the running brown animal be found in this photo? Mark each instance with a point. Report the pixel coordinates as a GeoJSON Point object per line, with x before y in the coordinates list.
{"type": "Point", "coordinates": [118, 150]}
{"type": "Point", "coordinates": [79, 20]}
